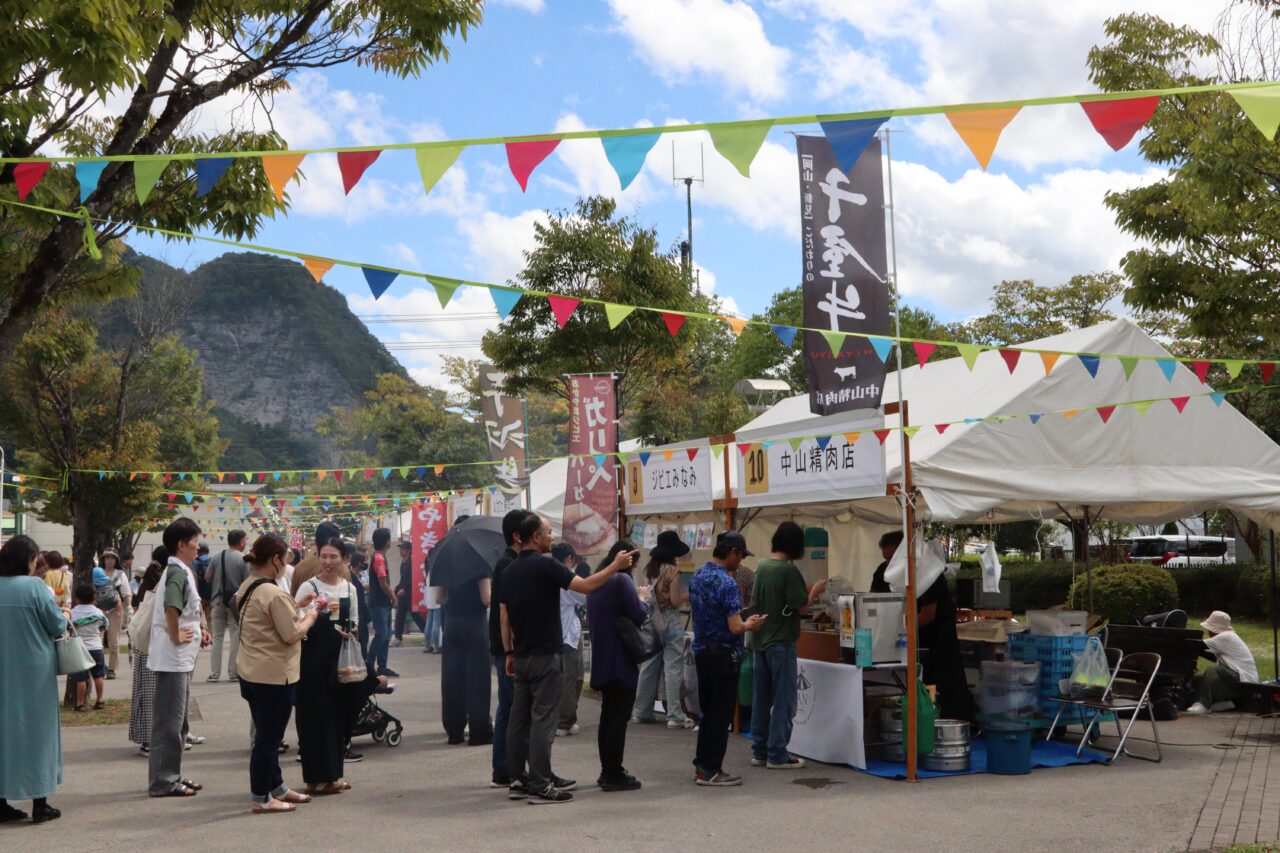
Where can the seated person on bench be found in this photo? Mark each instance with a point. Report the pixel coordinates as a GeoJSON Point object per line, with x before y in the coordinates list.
{"type": "Point", "coordinates": [1233, 664]}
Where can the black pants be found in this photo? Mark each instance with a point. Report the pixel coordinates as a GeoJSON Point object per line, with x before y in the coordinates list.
{"type": "Point", "coordinates": [535, 709]}
{"type": "Point", "coordinates": [465, 685]}
{"type": "Point", "coordinates": [616, 701]}
{"type": "Point", "coordinates": [270, 706]}
{"type": "Point", "coordinates": [402, 610]}
{"type": "Point", "coordinates": [717, 694]}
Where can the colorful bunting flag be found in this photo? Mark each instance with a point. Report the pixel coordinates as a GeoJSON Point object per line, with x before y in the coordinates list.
{"type": "Point", "coordinates": [1117, 121]}
{"type": "Point", "coordinates": [434, 161]}
{"type": "Point", "coordinates": [626, 154]}
{"type": "Point", "coordinates": [444, 290]}
{"type": "Point", "coordinates": [910, 431]}
{"type": "Point", "coordinates": [848, 139]}
{"type": "Point", "coordinates": [1201, 369]}
{"type": "Point", "coordinates": [352, 165]}
{"type": "Point", "coordinates": [1128, 363]}
{"type": "Point", "coordinates": [317, 267]}
{"type": "Point", "coordinates": [88, 173]}
{"type": "Point", "coordinates": [1090, 363]}
{"type": "Point", "coordinates": [504, 300]}
{"type": "Point", "coordinates": [744, 448]}
{"type": "Point", "coordinates": [1268, 368]}
{"type": "Point", "coordinates": [739, 142]}
{"type": "Point", "coordinates": [1262, 106]}
{"type": "Point", "coordinates": [617, 313]}
{"type": "Point", "coordinates": [562, 307]}
{"type": "Point", "coordinates": [1180, 403]}
{"type": "Point", "coordinates": [673, 321]}
{"type": "Point", "coordinates": [1142, 406]}
{"type": "Point", "coordinates": [1167, 367]}
{"type": "Point", "coordinates": [209, 170]}
{"type": "Point", "coordinates": [1049, 359]}
{"type": "Point", "coordinates": [1105, 412]}
{"type": "Point", "coordinates": [969, 352]}
{"type": "Point", "coordinates": [1011, 357]}
{"type": "Point", "coordinates": [835, 341]}
{"type": "Point", "coordinates": [524, 157]}
{"type": "Point", "coordinates": [941, 428]}
{"type": "Point", "coordinates": [644, 457]}
{"type": "Point", "coordinates": [1035, 418]}
{"type": "Point", "coordinates": [1217, 397]}
{"type": "Point", "coordinates": [737, 324]}
{"type": "Point", "coordinates": [882, 434]}
{"type": "Point", "coordinates": [882, 346]}
{"type": "Point", "coordinates": [27, 175]}
{"type": "Point", "coordinates": [692, 453]}
{"type": "Point", "coordinates": [280, 169]}
{"type": "Point", "coordinates": [1233, 366]}
{"type": "Point", "coordinates": [786, 334]}
{"type": "Point", "coordinates": [378, 280]}
{"type": "Point", "coordinates": [796, 442]}
{"type": "Point", "coordinates": [923, 351]}
{"type": "Point", "coordinates": [717, 450]}
{"type": "Point", "coordinates": [980, 129]}
{"type": "Point", "coordinates": [1069, 414]}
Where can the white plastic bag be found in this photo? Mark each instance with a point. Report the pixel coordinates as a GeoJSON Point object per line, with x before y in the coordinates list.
{"type": "Point", "coordinates": [1090, 675]}
{"type": "Point", "coordinates": [991, 567]}
{"type": "Point", "coordinates": [351, 665]}
{"type": "Point", "coordinates": [931, 562]}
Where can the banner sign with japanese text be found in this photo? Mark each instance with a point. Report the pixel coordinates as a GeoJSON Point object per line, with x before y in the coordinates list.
{"type": "Point", "coordinates": [504, 429]}
{"type": "Point", "coordinates": [499, 503]}
{"type": "Point", "coordinates": [845, 278]}
{"type": "Point", "coordinates": [784, 471]}
{"type": "Point", "coordinates": [467, 503]}
{"type": "Point", "coordinates": [427, 528]}
{"type": "Point", "coordinates": [591, 493]}
{"type": "Point", "coordinates": [668, 481]}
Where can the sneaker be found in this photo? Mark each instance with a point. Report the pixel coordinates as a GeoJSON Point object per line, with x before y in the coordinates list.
{"type": "Point", "coordinates": [562, 732]}
{"type": "Point", "coordinates": [111, 675]}
{"type": "Point", "coordinates": [1224, 705]}
{"type": "Point", "coordinates": [186, 747]}
{"type": "Point", "coordinates": [626, 782]}
{"type": "Point", "coordinates": [792, 763]}
{"type": "Point", "coordinates": [758, 762]}
{"type": "Point", "coordinates": [550, 796]}
{"type": "Point", "coordinates": [390, 673]}
{"type": "Point", "coordinates": [574, 729]}
{"type": "Point", "coordinates": [1198, 709]}
{"type": "Point", "coordinates": [397, 643]}
{"type": "Point", "coordinates": [194, 740]}
{"type": "Point", "coordinates": [717, 780]}
{"type": "Point", "coordinates": [352, 757]}
{"type": "Point", "coordinates": [213, 679]}
{"type": "Point", "coordinates": [500, 782]}
{"type": "Point", "coordinates": [233, 678]}
{"type": "Point", "coordinates": [518, 790]}
{"type": "Point", "coordinates": [283, 748]}
{"type": "Point", "coordinates": [144, 750]}
{"type": "Point", "coordinates": [563, 784]}
{"type": "Point", "coordinates": [680, 724]}
{"type": "Point", "coordinates": [641, 721]}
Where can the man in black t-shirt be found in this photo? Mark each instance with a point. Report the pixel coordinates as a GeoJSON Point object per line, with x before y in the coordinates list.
{"type": "Point", "coordinates": [531, 638]}
{"type": "Point", "coordinates": [506, 687]}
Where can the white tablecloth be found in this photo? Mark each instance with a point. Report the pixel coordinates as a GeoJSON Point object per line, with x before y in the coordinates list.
{"type": "Point", "coordinates": [828, 723]}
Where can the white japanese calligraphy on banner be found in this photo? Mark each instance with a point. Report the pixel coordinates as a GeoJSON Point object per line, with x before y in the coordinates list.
{"type": "Point", "coordinates": [504, 430]}
{"type": "Point", "coordinates": [499, 503]}
{"type": "Point", "coordinates": [669, 481]}
{"type": "Point", "coordinates": [591, 490]}
{"type": "Point", "coordinates": [775, 472]}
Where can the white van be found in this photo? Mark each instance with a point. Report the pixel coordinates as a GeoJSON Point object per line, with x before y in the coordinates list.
{"type": "Point", "coordinates": [1171, 551]}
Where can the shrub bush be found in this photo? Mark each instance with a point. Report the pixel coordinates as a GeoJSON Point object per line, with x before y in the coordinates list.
{"type": "Point", "coordinates": [1033, 585]}
{"type": "Point", "coordinates": [1204, 589]}
{"type": "Point", "coordinates": [1252, 592]}
{"type": "Point", "coordinates": [1126, 592]}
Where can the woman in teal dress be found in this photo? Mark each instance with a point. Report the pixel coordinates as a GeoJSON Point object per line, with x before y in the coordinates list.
{"type": "Point", "coordinates": [30, 735]}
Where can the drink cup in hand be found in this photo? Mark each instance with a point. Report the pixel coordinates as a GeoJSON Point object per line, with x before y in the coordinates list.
{"type": "Point", "coordinates": [333, 607]}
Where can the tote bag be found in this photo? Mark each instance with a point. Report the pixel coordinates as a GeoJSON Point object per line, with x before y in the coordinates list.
{"type": "Point", "coordinates": [140, 625]}
{"type": "Point", "coordinates": [73, 657]}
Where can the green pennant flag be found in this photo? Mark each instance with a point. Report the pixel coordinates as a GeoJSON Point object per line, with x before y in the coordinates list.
{"type": "Point", "coordinates": [617, 313]}
{"type": "Point", "coordinates": [795, 443]}
{"type": "Point", "coordinates": [1142, 405]}
{"type": "Point", "coordinates": [835, 340]}
{"type": "Point", "coordinates": [717, 450]}
{"type": "Point", "coordinates": [145, 175]}
{"type": "Point", "coordinates": [444, 290]}
{"type": "Point", "coordinates": [1128, 362]}
{"type": "Point", "coordinates": [434, 161]}
{"type": "Point", "coordinates": [1262, 106]}
{"type": "Point", "coordinates": [1234, 366]}
{"type": "Point", "coordinates": [404, 472]}
{"type": "Point", "coordinates": [911, 431]}
{"type": "Point", "coordinates": [738, 143]}
{"type": "Point", "coordinates": [969, 352]}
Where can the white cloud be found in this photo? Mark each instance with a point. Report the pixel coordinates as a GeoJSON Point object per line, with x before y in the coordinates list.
{"type": "Point", "coordinates": [535, 7]}
{"type": "Point", "coordinates": [592, 173]}
{"type": "Point", "coordinates": [497, 243]}
{"type": "Point", "coordinates": [723, 40]}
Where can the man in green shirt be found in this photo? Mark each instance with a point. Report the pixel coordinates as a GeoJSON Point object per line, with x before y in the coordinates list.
{"type": "Point", "coordinates": [779, 594]}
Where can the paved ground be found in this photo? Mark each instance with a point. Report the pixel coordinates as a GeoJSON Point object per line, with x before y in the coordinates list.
{"type": "Point", "coordinates": [428, 795]}
{"type": "Point", "coordinates": [1243, 806]}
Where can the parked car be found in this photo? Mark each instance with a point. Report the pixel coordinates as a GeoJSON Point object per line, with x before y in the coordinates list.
{"type": "Point", "coordinates": [1172, 551]}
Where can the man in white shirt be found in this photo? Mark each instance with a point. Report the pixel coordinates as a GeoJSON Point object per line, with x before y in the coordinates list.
{"type": "Point", "coordinates": [1233, 663]}
{"type": "Point", "coordinates": [178, 632]}
{"type": "Point", "coordinates": [226, 572]}
{"type": "Point", "coordinates": [571, 671]}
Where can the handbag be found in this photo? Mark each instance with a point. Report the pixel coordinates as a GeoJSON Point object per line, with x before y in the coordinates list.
{"type": "Point", "coordinates": [73, 657]}
{"type": "Point", "coordinates": [140, 625]}
{"type": "Point", "coordinates": [638, 644]}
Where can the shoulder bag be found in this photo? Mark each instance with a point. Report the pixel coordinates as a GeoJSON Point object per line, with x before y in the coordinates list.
{"type": "Point", "coordinates": [73, 657]}
{"type": "Point", "coordinates": [140, 625]}
{"type": "Point", "coordinates": [639, 642]}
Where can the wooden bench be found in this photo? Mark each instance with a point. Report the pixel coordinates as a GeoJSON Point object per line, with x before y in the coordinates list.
{"type": "Point", "coordinates": [1179, 650]}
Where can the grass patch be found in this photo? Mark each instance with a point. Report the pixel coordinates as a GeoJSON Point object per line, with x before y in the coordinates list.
{"type": "Point", "coordinates": [116, 712]}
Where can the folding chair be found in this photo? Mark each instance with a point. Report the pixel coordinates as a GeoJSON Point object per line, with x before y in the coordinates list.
{"type": "Point", "coordinates": [1139, 673]}
{"type": "Point", "coordinates": [1114, 657]}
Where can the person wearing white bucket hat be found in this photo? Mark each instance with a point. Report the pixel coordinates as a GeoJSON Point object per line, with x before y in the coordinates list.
{"type": "Point", "coordinates": [1219, 684]}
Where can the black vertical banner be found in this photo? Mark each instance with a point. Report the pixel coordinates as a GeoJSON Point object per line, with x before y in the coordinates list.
{"type": "Point", "coordinates": [504, 428]}
{"type": "Point", "coordinates": [845, 274]}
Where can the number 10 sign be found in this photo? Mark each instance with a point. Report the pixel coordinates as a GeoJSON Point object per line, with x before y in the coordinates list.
{"type": "Point", "coordinates": [809, 470]}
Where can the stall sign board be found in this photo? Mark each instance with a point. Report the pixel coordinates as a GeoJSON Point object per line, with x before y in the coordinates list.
{"type": "Point", "coordinates": [591, 490]}
{"type": "Point", "coordinates": [774, 473]}
{"type": "Point", "coordinates": [498, 502]}
{"type": "Point", "coordinates": [656, 483]}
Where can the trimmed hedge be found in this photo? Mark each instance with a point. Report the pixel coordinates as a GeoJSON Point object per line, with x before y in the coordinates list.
{"type": "Point", "coordinates": [1033, 585]}
{"type": "Point", "coordinates": [1126, 592]}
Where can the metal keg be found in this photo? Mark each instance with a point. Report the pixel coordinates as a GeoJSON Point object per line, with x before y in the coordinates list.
{"type": "Point", "coordinates": [891, 747]}
{"type": "Point", "coordinates": [950, 747]}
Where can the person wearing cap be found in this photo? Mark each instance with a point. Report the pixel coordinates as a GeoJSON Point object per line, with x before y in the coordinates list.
{"type": "Point", "coordinates": [663, 580]}
{"type": "Point", "coordinates": [1233, 663]}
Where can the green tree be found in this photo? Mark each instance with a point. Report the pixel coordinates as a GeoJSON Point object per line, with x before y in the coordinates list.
{"type": "Point", "coordinates": [1025, 311]}
{"type": "Point", "coordinates": [69, 403]}
{"type": "Point", "coordinates": [60, 62]}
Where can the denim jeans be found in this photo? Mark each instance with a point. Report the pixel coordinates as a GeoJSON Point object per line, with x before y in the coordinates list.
{"type": "Point", "coordinates": [671, 664]}
{"type": "Point", "coordinates": [434, 628]}
{"type": "Point", "coordinates": [380, 616]}
{"type": "Point", "coordinates": [506, 688]}
{"type": "Point", "coordinates": [773, 702]}
{"type": "Point", "coordinates": [270, 706]}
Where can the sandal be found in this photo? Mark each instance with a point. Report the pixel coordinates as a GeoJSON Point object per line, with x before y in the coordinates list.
{"type": "Point", "coordinates": [178, 790]}
{"type": "Point", "coordinates": [195, 786]}
{"type": "Point", "coordinates": [80, 709]}
{"type": "Point", "coordinates": [296, 797]}
{"type": "Point", "coordinates": [99, 705]}
{"type": "Point", "coordinates": [273, 807]}
{"type": "Point", "coordinates": [328, 790]}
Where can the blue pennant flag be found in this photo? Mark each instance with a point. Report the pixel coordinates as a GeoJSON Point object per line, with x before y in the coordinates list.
{"type": "Point", "coordinates": [275, 475]}
{"type": "Point", "coordinates": [599, 458]}
{"type": "Point", "coordinates": [1167, 367]}
{"type": "Point", "coordinates": [823, 441]}
{"type": "Point", "coordinates": [187, 496]}
{"type": "Point", "coordinates": [209, 170]}
{"type": "Point", "coordinates": [766, 444]}
{"type": "Point", "coordinates": [786, 334]}
{"type": "Point", "coordinates": [1036, 418]}
{"type": "Point", "coordinates": [848, 139]}
{"type": "Point", "coordinates": [1217, 397]}
{"type": "Point", "coordinates": [386, 472]}
{"type": "Point", "coordinates": [302, 476]}
{"type": "Point", "coordinates": [1090, 363]}
{"type": "Point", "coordinates": [88, 173]}
{"type": "Point", "coordinates": [379, 280]}
{"type": "Point", "coordinates": [882, 346]}
{"type": "Point", "coordinates": [421, 472]}
{"type": "Point", "coordinates": [101, 474]}
{"type": "Point", "coordinates": [644, 458]}
{"type": "Point", "coordinates": [626, 154]}
{"type": "Point", "coordinates": [504, 300]}
{"type": "Point", "coordinates": [326, 506]}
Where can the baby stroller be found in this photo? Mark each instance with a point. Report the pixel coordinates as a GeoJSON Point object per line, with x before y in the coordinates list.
{"type": "Point", "coordinates": [380, 724]}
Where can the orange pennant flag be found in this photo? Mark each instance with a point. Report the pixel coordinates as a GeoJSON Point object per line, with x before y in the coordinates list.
{"type": "Point", "coordinates": [439, 469]}
{"type": "Point", "coordinates": [1069, 414]}
{"type": "Point", "coordinates": [1049, 359]}
{"type": "Point", "coordinates": [980, 129]}
{"type": "Point", "coordinates": [279, 168]}
{"type": "Point", "coordinates": [737, 324]}
{"type": "Point", "coordinates": [852, 437]}
{"type": "Point", "coordinates": [320, 475]}
{"type": "Point", "coordinates": [317, 267]}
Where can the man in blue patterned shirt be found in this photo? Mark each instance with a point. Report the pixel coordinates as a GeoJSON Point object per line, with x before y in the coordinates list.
{"type": "Point", "coordinates": [718, 626]}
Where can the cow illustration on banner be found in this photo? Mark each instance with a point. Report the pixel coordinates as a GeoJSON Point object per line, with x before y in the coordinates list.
{"type": "Point", "coordinates": [591, 492]}
{"type": "Point", "coordinates": [428, 527]}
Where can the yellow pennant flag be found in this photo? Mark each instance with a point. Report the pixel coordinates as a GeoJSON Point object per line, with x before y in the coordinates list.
{"type": "Point", "coordinates": [1049, 359]}
{"type": "Point", "coordinates": [737, 324]}
{"type": "Point", "coordinates": [317, 267]}
{"type": "Point", "coordinates": [279, 169]}
{"type": "Point", "coordinates": [980, 129]}
{"type": "Point", "coordinates": [1069, 414]}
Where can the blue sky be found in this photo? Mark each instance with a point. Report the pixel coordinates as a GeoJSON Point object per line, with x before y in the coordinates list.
{"type": "Point", "coordinates": [537, 65]}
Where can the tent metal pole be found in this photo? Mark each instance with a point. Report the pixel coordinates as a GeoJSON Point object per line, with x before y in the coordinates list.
{"type": "Point", "coordinates": [1275, 636]}
{"type": "Point", "coordinates": [908, 519]}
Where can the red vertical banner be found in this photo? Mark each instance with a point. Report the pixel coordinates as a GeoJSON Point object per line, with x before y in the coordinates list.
{"type": "Point", "coordinates": [427, 529]}
{"type": "Point", "coordinates": [591, 493]}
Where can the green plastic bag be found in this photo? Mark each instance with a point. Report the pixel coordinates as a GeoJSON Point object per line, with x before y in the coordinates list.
{"type": "Point", "coordinates": [746, 679]}
{"type": "Point", "coordinates": [926, 716]}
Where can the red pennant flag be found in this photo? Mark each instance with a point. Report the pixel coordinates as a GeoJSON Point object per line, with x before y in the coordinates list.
{"type": "Point", "coordinates": [693, 453]}
{"type": "Point", "coordinates": [923, 351]}
{"type": "Point", "coordinates": [253, 501]}
{"type": "Point", "coordinates": [941, 428]}
{"type": "Point", "coordinates": [337, 475]}
{"type": "Point", "coordinates": [168, 477]}
{"type": "Point", "coordinates": [1011, 357]}
{"type": "Point", "coordinates": [882, 434]}
{"type": "Point", "coordinates": [524, 157]}
{"type": "Point", "coordinates": [1117, 121]}
{"type": "Point", "coordinates": [744, 449]}
{"type": "Point", "coordinates": [172, 496]}
{"type": "Point", "coordinates": [1180, 403]}
{"type": "Point", "coordinates": [27, 175]}
{"type": "Point", "coordinates": [562, 307]}
{"type": "Point", "coordinates": [368, 473]}
{"type": "Point", "coordinates": [673, 321]}
{"type": "Point", "coordinates": [352, 165]}
{"type": "Point", "coordinates": [1105, 412]}
{"type": "Point", "coordinates": [1268, 367]}
{"type": "Point", "coordinates": [1201, 368]}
